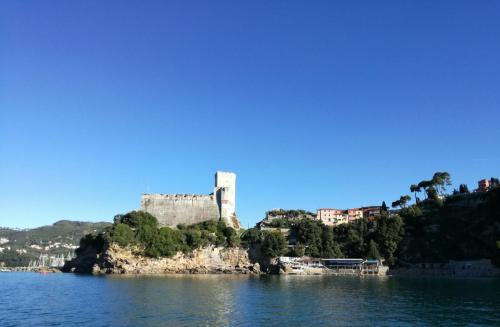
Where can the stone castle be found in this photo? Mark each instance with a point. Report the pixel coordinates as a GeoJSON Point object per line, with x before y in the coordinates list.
{"type": "Point", "coordinates": [174, 209]}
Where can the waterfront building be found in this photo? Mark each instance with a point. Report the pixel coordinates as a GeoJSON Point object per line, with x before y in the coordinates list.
{"type": "Point", "coordinates": [354, 266]}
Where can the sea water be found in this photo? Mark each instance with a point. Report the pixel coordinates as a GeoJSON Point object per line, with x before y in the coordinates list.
{"type": "Point", "coordinates": [30, 299]}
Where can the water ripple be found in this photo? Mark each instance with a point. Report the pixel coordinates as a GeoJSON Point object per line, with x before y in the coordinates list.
{"type": "Point", "coordinates": [29, 299]}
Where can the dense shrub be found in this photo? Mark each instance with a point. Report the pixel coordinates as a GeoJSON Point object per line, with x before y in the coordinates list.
{"type": "Point", "coordinates": [251, 236]}
{"type": "Point", "coordinates": [232, 238]}
{"type": "Point", "coordinates": [297, 251]}
{"type": "Point", "coordinates": [121, 234]}
{"type": "Point", "coordinates": [94, 241]}
{"type": "Point", "coordinates": [274, 244]}
{"type": "Point", "coordinates": [462, 228]}
{"type": "Point", "coordinates": [11, 258]}
{"type": "Point", "coordinates": [140, 228]}
{"type": "Point", "coordinates": [135, 219]}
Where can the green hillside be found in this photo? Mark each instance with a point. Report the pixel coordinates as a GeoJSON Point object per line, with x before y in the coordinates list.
{"type": "Point", "coordinates": [18, 247]}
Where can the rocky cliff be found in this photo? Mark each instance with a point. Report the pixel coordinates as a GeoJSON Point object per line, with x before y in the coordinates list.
{"type": "Point", "coordinates": [118, 260]}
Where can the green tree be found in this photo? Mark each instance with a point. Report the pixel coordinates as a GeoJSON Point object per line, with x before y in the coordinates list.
{"type": "Point", "coordinates": [432, 194]}
{"type": "Point", "coordinates": [463, 189]}
{"type": "Point", "coordinates": [329, 247]}
{"type": "Point", "coordinates": [169, 242]}
{"type": "Point", "coordinates": [251, 236]}
{"type": "Point", "coordinates": [351, 238]}
{"type": "Point", "coordinates": [194, 239]}
{"type": "Point", "coordinates": [373, 252]}
{"type": "Point", "coordinates": [147, 235]}
{"type": "Point", "coordinates": [388, 235]}
{"type": "Point", "coordinates": [232, 237]}
{"type": "Point", "coordinates": [298, 250]}
{"type": "Point", "coordinates": [440, 180]}
{"type": "Point", "coordinates": [121, 234]}
{"type": "Point", "coordinates": [274, 244]}
{"type": "Point", "coordinates": [383, 207]}
{"type": "Point", "coordinates": [210, 226]}
{"type": "Point", "coordinates": [136, 219]}
{"type": "Point", "coordinates": [424, 185]}
{"type": "Point", "coordinates": [95, 241]}
{"type": "Point", "coordinates": [309, 233]}
{"type": "Point", "coordinates": [221, 239]}
{"type": "Point", "coordinates": [404, 200]}
{"type": "Point", "coordinates": [415, 189]}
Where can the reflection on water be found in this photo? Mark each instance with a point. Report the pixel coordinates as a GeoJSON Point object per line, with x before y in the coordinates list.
{"type": "Point", "coordinates": [193, 299]}
{"type": "Point", "coordinates": [221, 300]}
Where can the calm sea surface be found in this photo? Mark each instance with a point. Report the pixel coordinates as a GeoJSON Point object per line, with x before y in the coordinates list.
{"type": "Point", "coordinates": [30, 299]}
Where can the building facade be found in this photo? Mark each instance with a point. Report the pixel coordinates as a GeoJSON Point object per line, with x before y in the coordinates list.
{"type": "Point", "coordinates": [354, 214]}
{"type": "Point", "coordinates": [332, 217]}
{"type": "Point", "coordinates": [174, 209]}
{"type": "Point", "coordinates": [371, 212]}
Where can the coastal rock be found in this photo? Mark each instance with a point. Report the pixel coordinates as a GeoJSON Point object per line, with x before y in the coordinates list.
{"type": "Point", "coordinates": [209, 260]}
{"type": "Point", "coordinates": [83, 263]}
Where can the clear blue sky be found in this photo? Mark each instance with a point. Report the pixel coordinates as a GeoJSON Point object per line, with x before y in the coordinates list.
{"type": "Point", "coordinates": [312, 103]}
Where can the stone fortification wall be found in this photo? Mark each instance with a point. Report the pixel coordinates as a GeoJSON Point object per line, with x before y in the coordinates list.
{"type": "Point", "coordinates": [172, 210]}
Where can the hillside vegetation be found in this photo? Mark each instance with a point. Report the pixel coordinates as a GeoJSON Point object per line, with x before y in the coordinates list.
{"type": "Point", "coordinates": [436, 228]}
{"type": "Point", "coordinates": [459, 226]}
{"type": "Point", "coordinates": [141, 230]}
{"type": "Point", "coordinates": [19, 246]}
{"type": "Point", "coordinates": [360, 239]}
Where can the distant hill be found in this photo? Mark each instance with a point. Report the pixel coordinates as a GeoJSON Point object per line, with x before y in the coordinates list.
{"type": "Point", "coordinates": [19, 246]}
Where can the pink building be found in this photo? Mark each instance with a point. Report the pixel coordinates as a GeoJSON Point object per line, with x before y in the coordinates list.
{"type": "Point", "coordinates": [354, 214]}
{"type": "Point", "coordinates": [332, 217]}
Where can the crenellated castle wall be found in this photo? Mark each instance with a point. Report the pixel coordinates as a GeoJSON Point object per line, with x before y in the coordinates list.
{"type": "Point", "coordinates": [174, 209]}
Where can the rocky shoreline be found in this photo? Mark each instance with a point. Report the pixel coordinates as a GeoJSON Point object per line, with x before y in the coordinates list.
{"type": "Point", "coordinates": [113, 259]}
{"type": "Point", "coordinates": [42, 270]}
{"type": "Point", "coordinates": [209, 260]}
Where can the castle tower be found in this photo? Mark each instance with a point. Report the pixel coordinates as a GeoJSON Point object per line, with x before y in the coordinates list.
{"type": "Point", "coordinates": [225, 195]}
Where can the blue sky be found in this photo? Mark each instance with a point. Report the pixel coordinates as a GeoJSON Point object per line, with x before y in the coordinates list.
{"type": "Point", "coordinates": [312, 104]}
